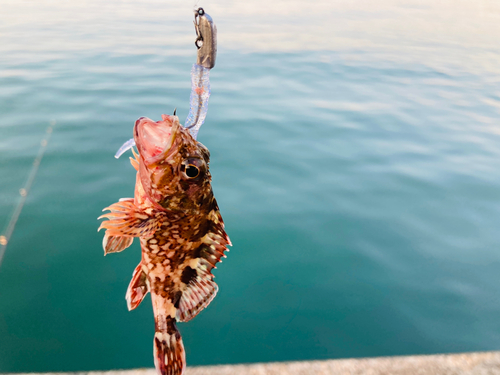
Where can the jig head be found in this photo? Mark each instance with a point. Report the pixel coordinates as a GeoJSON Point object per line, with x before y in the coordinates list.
{"type": "Point", "coordinates": [206, 38]}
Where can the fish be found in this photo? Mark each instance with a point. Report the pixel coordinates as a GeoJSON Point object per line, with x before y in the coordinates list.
{"type": "Point", "coordinates": [177, 220]}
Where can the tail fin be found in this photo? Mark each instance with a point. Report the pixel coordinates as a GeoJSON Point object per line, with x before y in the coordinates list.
{"type": "Point", "coordinates": [170, 358]}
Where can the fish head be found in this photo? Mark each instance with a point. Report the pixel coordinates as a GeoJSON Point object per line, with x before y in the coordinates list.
{"type": "Point", "coordinates": [173, 166]}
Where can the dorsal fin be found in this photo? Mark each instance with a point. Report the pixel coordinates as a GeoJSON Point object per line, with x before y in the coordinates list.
{"type": "Point", "coordinates": [137, 289]}
{"type": "Point", "coordinates": [135, 160]}
{"type": "Point", "coordinates": [134, 163]}
{"type": "Point", "coordinates": [200, 289]}
{"type": "Point", "coordinates": [125, 219]}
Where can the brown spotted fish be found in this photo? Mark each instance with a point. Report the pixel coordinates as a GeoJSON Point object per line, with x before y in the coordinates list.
{"type": "Point", "coordinates": [176, 217]}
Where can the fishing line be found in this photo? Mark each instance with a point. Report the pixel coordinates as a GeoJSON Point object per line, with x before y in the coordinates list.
{"type": "Point", "coordinates": [23, 192]}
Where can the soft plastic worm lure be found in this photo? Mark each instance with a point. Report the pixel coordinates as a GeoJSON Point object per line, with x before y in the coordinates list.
{"type": "Point", "coordinates": [206, 42]}
{"type": "Point", "coordinates": [125, 147]}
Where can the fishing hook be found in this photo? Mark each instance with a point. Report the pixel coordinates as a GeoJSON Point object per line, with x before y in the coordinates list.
{"type": "Point", "coordinates": [206, 38]}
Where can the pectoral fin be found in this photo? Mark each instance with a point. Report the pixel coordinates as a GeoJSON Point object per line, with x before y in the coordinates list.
{"type": "Point", "coordinates": [199, 292]}
{"type": "Point", "coordinates": [137, 289]}
{"type": "Point", "coordinates": [126, 220]}
{"type": "Point", "coordinates": [200, 289]}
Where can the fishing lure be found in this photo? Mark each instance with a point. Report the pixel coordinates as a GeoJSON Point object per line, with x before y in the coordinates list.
{"type": "Point", "coordinates": [174, 213]}
{"type": "Point", "coordinates": [206, 42]}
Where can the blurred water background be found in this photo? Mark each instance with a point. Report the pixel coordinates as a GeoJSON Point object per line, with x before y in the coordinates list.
{"type": "Point", "coordinates": [355, 148]}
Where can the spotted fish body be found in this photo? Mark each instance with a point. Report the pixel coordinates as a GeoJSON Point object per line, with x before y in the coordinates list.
{"type": "Point", "coordinates": [176, 217]}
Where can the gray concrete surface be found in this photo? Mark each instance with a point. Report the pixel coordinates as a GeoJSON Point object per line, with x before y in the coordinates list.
{"type": "Point", "coordinates": [485, 363]}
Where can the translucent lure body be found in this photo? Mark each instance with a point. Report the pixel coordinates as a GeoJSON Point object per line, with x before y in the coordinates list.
{"type": "Point", "coordinates": [200, 92]}
{"type": "Point", "coordinates": [125, 147]}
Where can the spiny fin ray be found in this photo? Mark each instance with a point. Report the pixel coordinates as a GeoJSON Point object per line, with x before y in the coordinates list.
{"type": "Point", "coordinates": [135, 160]}
{"type": "Point", "coordinates": [125, 219]}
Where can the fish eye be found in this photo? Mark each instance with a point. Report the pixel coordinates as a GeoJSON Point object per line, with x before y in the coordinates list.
{"type": "Point", "coordinates": [192, 171]}
{"type": "Point", "coordinates": [192, 168]}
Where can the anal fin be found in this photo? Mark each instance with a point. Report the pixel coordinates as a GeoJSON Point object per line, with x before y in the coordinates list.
{"type": "Point", "coordinates": [137, 289]}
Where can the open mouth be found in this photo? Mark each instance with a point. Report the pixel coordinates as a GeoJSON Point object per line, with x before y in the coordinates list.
{"type": "Point", "coordinates": [154, 138]}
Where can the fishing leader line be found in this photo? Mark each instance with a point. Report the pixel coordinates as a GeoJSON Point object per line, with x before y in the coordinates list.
{"type": "Point", "coordinates": [23, 192]}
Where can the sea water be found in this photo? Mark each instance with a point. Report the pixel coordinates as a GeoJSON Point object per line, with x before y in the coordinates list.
{"type": "Point", "coordinates": [355, 159]}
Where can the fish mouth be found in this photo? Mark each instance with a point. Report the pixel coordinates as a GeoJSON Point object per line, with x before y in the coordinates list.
{"type": "Point", "coordinates": [154, 139]}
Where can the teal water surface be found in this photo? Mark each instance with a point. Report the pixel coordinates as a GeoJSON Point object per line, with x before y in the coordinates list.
{"type": "Point", "coordinates": [355, 158]}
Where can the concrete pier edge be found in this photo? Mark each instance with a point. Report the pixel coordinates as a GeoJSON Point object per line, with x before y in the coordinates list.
{"type": "Point", "coordinates": [477, 363]}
